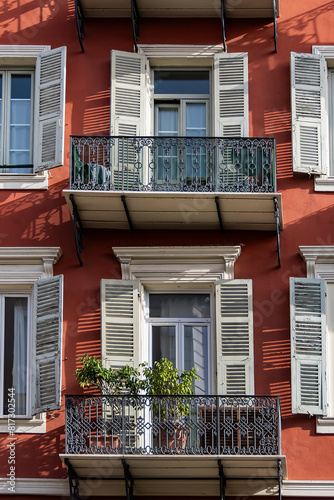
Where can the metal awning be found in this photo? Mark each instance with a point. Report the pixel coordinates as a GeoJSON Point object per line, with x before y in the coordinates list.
{"type": "Point", "coordinates": [178, 8]}
{"type": "Point", "coordinates": [176, 210]}
{"type": "Point", "coordinates": [147, 475]}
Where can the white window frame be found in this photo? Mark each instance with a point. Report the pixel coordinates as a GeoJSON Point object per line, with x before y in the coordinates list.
{"type": "Point", "coordinates": [17, 56]}
{"type": "Point", "coordinates": [320, 264]}
{"type": "Point", "coordinates": [325, 182]}
{"type": "Point", "coordinates": [20, 267]}
{"type": "Point", "coordinates": [178, 322]}
{"type": "Point", "coordinates": [5, 122]}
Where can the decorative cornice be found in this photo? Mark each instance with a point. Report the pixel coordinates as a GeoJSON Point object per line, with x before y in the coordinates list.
{"type": "Point", "coordinates": [173, 51]}
{"type": "Point", "coordinates": [22, 50]}
{"type": "Point", "coordinates": [24, 265]}
{"type": "Point", "coordinates": [202, 263]}
{"type": "Point", "coordinates": [316, 255]}
{"type": "Point", "coordinates": [36, 486]}
{"type": "Point", "coordinates": [308, 488]}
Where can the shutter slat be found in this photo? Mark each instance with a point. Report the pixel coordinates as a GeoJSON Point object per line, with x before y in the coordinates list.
{"type": "Point", "coordinates": [50, 109]}
{"type": "Point", "coordinates": [308, 114]}
{"type": "Point", "coordinates": [48, 324]}
{"type": "Point", "coordinates": [119, 314]}
{"type": "Point", "coordinates": [308, 345]}
{"type": "Point", "coordinates": [234, 337]}
{"type": "Point", "coordinates": [231, 94]}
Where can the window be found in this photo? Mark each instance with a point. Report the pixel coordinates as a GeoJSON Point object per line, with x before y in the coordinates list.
{"type": "Point", "coordinates": [32, 105]}
{"type": "Point", "coordinates": [182, 303]}
{"type": "Point", "coordinates": [312, 337]}
{"type": "Point", "coordinates": [312, 115]}
{"type": "Point", "coordinates": [30, 334]}
{"type": "Point", "coordinates": [180, 330]}
{"type": "Point", "coordinates": [16, 118]}
{"type": "Point", "coordinates": [16, 350]}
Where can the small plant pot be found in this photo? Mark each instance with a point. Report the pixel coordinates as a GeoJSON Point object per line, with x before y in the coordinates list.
{"type": "Point", "coordinates": [172, 441]}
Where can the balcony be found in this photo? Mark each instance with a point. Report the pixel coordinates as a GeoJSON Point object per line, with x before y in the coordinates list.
{"type": "Point", "coordinates": [174, 182]}
{"type": "Point", "coordinates": [201, 441]}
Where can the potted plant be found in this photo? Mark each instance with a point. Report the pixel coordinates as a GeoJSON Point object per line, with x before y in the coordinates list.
{"type": "Point", "coordinates": [110, 382]}
{"type": "Point", "coordinates": [169, 414]}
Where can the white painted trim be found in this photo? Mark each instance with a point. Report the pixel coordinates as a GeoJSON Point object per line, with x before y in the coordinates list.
{"type": "Point", "coordinates": [181, 264]}
{"type": "Point", "coordinates": [29, 181]}
{"type": "Point", "coordinates": [36, 486]}
{"type": "Point", "coordinates": [22, 55]}
{"type": "Point", "coordinates": [325, 425]}
{"type": "Point", "coordinates": [24, 265]}
{"type": "Point", "coordinates": [25, 426]}
{"type": "Point", "coordinates": [315, 256]}
{"type": "Point", "coordinates": [295, 488]}
{"type": "Point", "coordinates": [172, 50]}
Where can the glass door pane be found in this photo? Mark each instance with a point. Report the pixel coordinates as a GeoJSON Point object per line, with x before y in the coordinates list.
{"type": "Point", "coordinates": [20, 123]}
{"type": "Point", "coordinates": [163, 343]}
{"type": "Point", "coordinates": [195, 122]}
{"type": "Point", "coordinates": [168, 126]}
{"type": "Point", "coordinates": [195, 354]}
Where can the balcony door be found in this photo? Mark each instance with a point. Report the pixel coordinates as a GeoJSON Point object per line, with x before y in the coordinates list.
{"type": "Point", "coordinates": [181, 110]}
{"type": "Point", "coordinates": [180, 328]}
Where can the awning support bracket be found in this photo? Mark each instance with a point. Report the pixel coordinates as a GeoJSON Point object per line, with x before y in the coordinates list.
{"type": "Point", "coordinates": [280, 478]}
{"type": "Point", "coordinates": [275, 24]}
{"type": "Point", "coordinates": [127, 213]}
{"type": "Point", "coordinates": [222, 480]}
{"type": "Point", "coordinates": [278, 237]}
{"type": "Point", "coordinates": [222, 17]}
{"type": "Point", "coordinates": [219, 214]}
{"type": "Point", "coordinates": [128, 480]}
{"type": "Point", "coordinates": [135, 23]}
{"type": "Point", "coordinates": [78, 229]}
{"type": "Point", "coordinates": [73, 481]}
{"type": "Point", "coordinates": [79, 18]}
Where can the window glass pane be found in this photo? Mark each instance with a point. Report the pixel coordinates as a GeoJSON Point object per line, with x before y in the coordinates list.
{"type": "Point", "coordinates": [195, 354]}
{"type": "Point", "coordinates": [196, 119]}
{"type": "Point", "coordinates": [1, 91]}
{"type": "Point", "coordinates": [168, 121]}
{"type": "Point", "coordinates": [181, 82]}
{"type": "Point", "coordinates": [15, 352]}
{"type": "Point", "coordinates": [184, 305]}
{"type": "Point", "coordinates": [163, 339]}
{"type": "Point", "coordinates": [20, 120]}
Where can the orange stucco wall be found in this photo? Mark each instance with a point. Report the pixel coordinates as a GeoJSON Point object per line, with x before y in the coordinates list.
{"type": "Point", "coordinates": [42, 218]}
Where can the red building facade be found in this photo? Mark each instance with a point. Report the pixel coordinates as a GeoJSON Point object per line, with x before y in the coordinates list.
{"type": "Point", "coordinates": [164, 197]}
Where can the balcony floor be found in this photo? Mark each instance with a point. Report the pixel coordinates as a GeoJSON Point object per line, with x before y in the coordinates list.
{"type": "Point", "coordinates": [176, 210]}
{"type": "Point", "coordinates": [179, 475]}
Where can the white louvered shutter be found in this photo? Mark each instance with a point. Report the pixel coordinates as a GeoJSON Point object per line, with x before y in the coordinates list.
{"type": "Point", "coordinates": [308, 345]}
{"type": "Point", "coordinates": [231, 95]}
{"type": "Point", "coordinates": [47, 344]}
{"type": "Point", "coordinates": [127, 93]}
{"type": "Point", "coordinates": [119, 318]}
{"type": "Point", "coordinates": [49, 109]}
{"type": "Point", "coordinates": [234, 337]}
{"type": "Point", "coordinates": [308, 114]}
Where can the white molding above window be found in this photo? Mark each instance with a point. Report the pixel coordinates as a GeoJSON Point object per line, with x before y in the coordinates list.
{"type": "Point", "coordinates": [22, 55]}
{"type": "Point", "coordinates": [24, 265]}
{"type": "Point", "coordinates": [319, 261]}
{"type": "Point", "coordinates": [173, 51]}
{"type": "Point", "coordinates": [324, 182]}
{"type": "Point", "coordinates": [182, 264]}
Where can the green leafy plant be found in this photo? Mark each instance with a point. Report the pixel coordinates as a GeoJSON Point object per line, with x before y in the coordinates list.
{"type": "Point", "coordinates": [120, 381]}
{"type": "Point", "coordinates": [163, 379]}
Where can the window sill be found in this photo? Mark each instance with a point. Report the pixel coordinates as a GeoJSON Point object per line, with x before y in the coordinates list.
{"type": "Point", "coordinates": [324, 183]}
{"type": "Point", "coordinates": [24, 181]}
{"type": "Point", "coordinates": [26, 425]}
{"type": "Point", "coordinates": [325, 425]}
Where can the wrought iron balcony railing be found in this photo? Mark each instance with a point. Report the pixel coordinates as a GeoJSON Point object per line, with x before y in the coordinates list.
{"type": "Point", "coordinates": [192, 425]}
{"type": "Point", "coordinates": [195, 164]}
